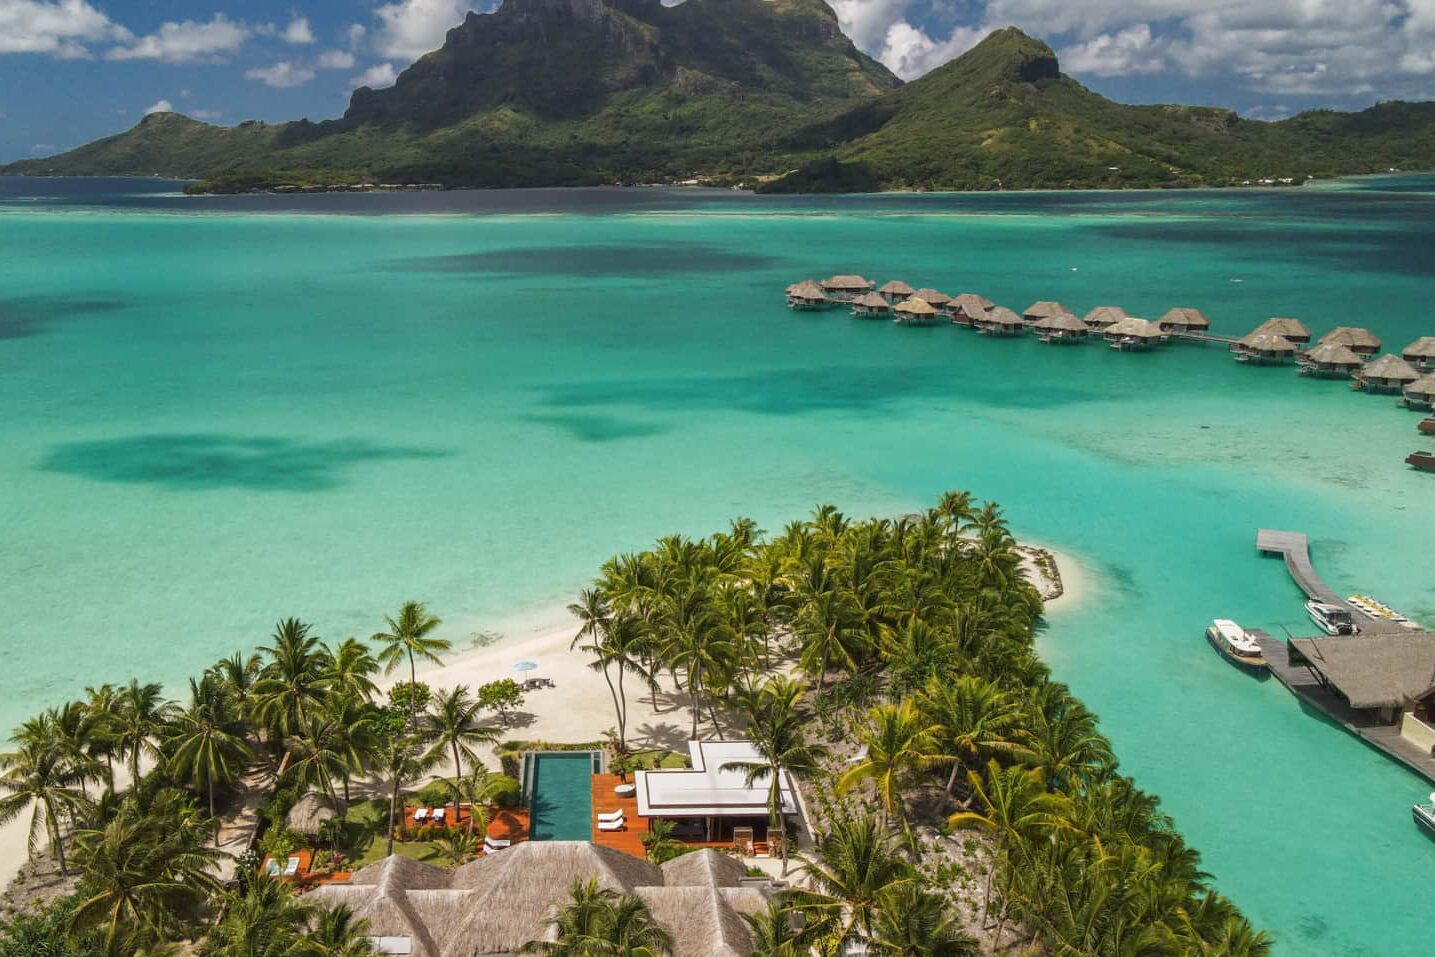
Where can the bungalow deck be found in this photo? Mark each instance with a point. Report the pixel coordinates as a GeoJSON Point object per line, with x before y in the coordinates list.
{"type": "Point", "coordinates": [630, 839]}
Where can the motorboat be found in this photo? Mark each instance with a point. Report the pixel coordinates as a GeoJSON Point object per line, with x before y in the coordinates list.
{"type": "Point", "coordinates": [1234, 644]}
{"type": "Point", "coordinates": [1331, 619]}
{"type": "Point", "coordinates": [1424, 815]}
{"type": "Point", "coordinates": [1424, 461]}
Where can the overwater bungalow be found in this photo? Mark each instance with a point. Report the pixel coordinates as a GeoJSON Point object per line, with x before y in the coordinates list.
{"type": "Point", "coordinates": [1292, 330]}
{"type": "Point", "coordinates": [1040, 310]}
{"type": "Point", "coordinates": [1102, 316]}
{"type": "Point", "coordinates": [937, 300]}
{"type": "Point", "coordinates": [1133, 335]}
{"type": "Point", "coordinates": [871, 306]}
{"type": "Point", "coordinates": [1330, 360]}
{"type": "Point", "coordinates": [968, 307]}
{"type": "Point", "coordinates": [1360, 341]}
{"type": "Point", "coordinates": [916, 311]}
{"type": "Point", "coordinates": [1264, 349]}
{"type": "Point", "coordinates": [1388, 374]}
{"type": "Point", "coordinates": [807, 296]}
{"type": "Point", "coordinates": [894, 291]}
{"type": "Point", "coordinates": [1061, 329]}
{"type": "Point", "coordinates": [1184, 319]}
{"type": "Point", "coordinates": [1000, 321]}
{"type": "Point", "coordinates": [1420, 353]}
{"type": "Point", "coordinates": [846, 288]}
{"type": "Point", "coordinates": [1420, 394]}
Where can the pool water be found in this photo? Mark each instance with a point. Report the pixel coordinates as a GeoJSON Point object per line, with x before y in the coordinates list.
{"type": "Point", "coordinates": [561, 797]}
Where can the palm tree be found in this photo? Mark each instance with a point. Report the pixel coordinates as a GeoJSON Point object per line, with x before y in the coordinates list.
{"type": "Point", "coordinates": [973, 720]}
{"type": "Point", "coordinates": [899, 742]}
{"type": "Point", "coordinates": [349, 723]}
{"type": "Point", "coordinates": [855, 864]}
{"type": "Point", "coordinates": [36, 776]}
{"type": "Point", "coordinates": [408, 636]}
{"type": "Point", "coordinates": [102, 703]}
{"type": "Point", "coordinates": [319, 754]}
{"type": "Point", "coordinates": [399, 756]}
{"type": "Point", "coordinates": [912, 922]}
{"type": "Point", "coordinates": [240, 675]}
{"type": "Point", "coordinates": [477, 788]}
{"type": "Point", "coordinates": [293, 682]}
{"type": "Point", "coordinates": [458, 848]}
{"type": "Point", "coordinates": [775, 933]}
{"type": "Point", "coordinates": [351, 670]}
{"type": "Point", "coordinates": [206, 742]}
{"type": "Point", "coordinates": [267, 920]}
{"type": "Point", "coordinates": [140, 716]}
{"type": "Point", "coordinates": [73, 730]}
{"type": "Point", "coordinates": [339, 933]}
{"type": "Point", "coordinates": [600, 921]}
{"type": "Point", "coordinates": [827, 624]}
{"type": "Point", "coordinates": [616, 641]}
{"type": "Point", "coordinates": [1064, 741]}
{"type": "Point", "coordinates": [776, 725]}
{"type": "Point", "coordinates": [452, 724]}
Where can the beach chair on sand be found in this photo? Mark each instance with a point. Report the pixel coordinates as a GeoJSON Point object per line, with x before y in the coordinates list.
{"type": "Point", "coordinates": [420, 815]}
{"type": "Point", "coordinates": [612, 824]}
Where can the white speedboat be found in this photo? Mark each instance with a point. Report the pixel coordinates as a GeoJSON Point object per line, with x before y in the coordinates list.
{"type": "Point", "coordinates": [1425, 816]}
{"type": "Point", "coordinates": [1237, 647]}
{"type": "Point", "coordinates": [1332, 619]}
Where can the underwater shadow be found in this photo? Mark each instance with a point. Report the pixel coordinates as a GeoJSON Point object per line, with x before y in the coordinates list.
{"type": "Point", "coordinates": [600, 428]}
{"type": "Point", "coordinates": [28, 316]}
{"type": "Point", "coordinates": [195, 463]}
{"type": "Point", "coordinates": [617, 260]}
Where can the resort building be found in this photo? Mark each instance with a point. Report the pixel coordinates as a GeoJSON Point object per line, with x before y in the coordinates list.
{"type": "Point", "coordinates": [968, 307]}
{"type": "Point", "coordinates": [1360, 341]}
{"type": "Point", "coordinates": [871, 306]}
{"type": "Point", "coordinates": [894, 291]}
{"type": "Point", "coordinates": [1389, 679]}
{"type": "Point", "coordinates": [1264, 349]}
{"type": "Point", "coordinates": [1420, 353]}
{"type": "Point", "coordinates": [1330, 360]}
{"type": "Point", "coordinates": [500, 902]}
{"type": "Point", "coordinates": [1292, 330]}
{"type": "Point", "coordinates": [846, 288]}
{"type": "Point", "coordinates": [1184, 319]}
{"type": "Point", "coordinates": [1041, 310]}
{"type": "Point", "coordinates": [807, 296]}
{"type": "Point", "coordinates": [1060, 329]}
{"type": "Point", "coordinates": [1000, 321]}
{"type": "Point", "coordinates": [1388, 374]}
{"type": "Point", "coordinates": [1420, 394]}
{"type": "Point", "coordinates": [1133, 335]}
{"type": "Point", "coordinates": [934, 298]}
{"type": "Point", "coordinates": [916, 311]}
{"type": "Point", "coordinates": [1102, 316]}
{"type": "Point", "coordinates": [711, 802]}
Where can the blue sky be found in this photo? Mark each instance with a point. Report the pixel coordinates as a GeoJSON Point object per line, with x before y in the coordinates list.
{"type": "Point", "coordinates": [73, 70]}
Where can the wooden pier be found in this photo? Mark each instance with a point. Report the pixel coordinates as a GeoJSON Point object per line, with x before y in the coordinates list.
{"type": "Point", "coordinates": [1294, 547]}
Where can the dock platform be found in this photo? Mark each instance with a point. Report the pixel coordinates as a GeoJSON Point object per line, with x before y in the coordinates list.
{"type": "Point", "coordinates": [1385, 738]}
{"type": "Point", "coordinates": [1294, 548]}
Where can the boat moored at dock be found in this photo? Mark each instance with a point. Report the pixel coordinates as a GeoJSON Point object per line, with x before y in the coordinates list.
{"type": "Point", "coordinates": [1331, 618]}
{"type": "Point", "coordinates": [1234, 644]}
{"type": "Point", "coordinates": [1424, 815]}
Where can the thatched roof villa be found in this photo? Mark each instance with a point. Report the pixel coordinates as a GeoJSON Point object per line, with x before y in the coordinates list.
{"type": "Point", "coordinates": [968, 307]}
{"type": "Point", "coordinates": [1360, 341]}
{"type": "Point", "coordinates": [895, 290]}
{"type": "Point", "coordinates": [1184, 319]}
{"type": "Point", "coordinates": [916, 311]}
{"type": "Point", "coordinates": [496, 904]}
{"type": "Point", "coordinates": [1420, 394]}
{"type": "Point", "coordinates": [1000, 321]}
{"type": "Point", "coordinates": [310, 812]}
{"type": "Point", "coordinates": [1292, 330]}
{"type": "Point", "coordinates": [1041, 310]}
{"type": "Point", "coordinates": [807, 296]}
{"type": "Point", "coordinates": [1133, 335]}
{"type": "Point", "coordinates": [1389, 373]}
{"type": "Point", "coordinates": [1420, 353]}
{"type": "Point", "coordinates": [1330, 360]}
{"type": "Point", "coordinates": [933, 297]}
{"type": "Point", "coordinates": [1102, 316]}
{"type": "Point", "coordinates": [1060, 329]}
{"type": "Point", "coordinates": [846, 287]}
{"type": "Point", "coordinates": [871, 306]}
{"type": "Point", "coordinates": [1264, 349]}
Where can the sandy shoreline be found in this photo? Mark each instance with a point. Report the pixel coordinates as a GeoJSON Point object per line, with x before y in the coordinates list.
{"type": "Point", "coordinates": [578, 707]}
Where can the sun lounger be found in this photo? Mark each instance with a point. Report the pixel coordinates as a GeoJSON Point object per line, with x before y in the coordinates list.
{"type": "Point", "coordinates": [291, 867]}
{"type": "Point", "coordinates": [271, 868]}
{"type": "Point", "coordinates": [611, 816]}
{"type": "Point", "coordinates": [420, 815]}
{"type": "Point", "coordinates": [614, 825]}
{"type": "Point", "coordinates": [494, 844]}
{"type": "Point", "coordinates": [438, 814]}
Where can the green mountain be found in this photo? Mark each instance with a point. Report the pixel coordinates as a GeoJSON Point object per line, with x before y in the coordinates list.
{"type": "Point", "coordinates": [1003, 115]}
{"type": "Point", "coordinates": [583, 92]}
{"type": "Point", "coordinates": [545, 92]}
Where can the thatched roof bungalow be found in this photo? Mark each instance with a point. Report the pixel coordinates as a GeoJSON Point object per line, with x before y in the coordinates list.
{"type": "Point", "coordinates": [1292, 330]}
{"type": "Point", "coordinates": [310, 812]}
{"type": "Point", "coordinates": [1388, 374]}
{"type": "Point", "coordinates": [1041, 310]}
{"type": "Point", "coordinates": [1264, 349]}
{"type": "Point", "coordinates": [1330, 360]}
{"type": "Point", "coordinates": [1000, 321]}
{"type": "Point", "coordinates": [968, 307]}
{"type": "Point", "coordinates": [1420, 353]}
{"type": "Point", "coordinates": [846, 288]}
{"type": "Point", "coordinates": [1060, 329]}
{"type": "Point", "coordinates": [1420, 394]}
{"type": "Point", "coordinates": [871, 306]}
{"type": "Point", "coordinates": [1360, 341]}
{"type": "Point", "coordinates": [1184, 319]}
{"type": "Point", "coordinates": [498, 903]}
{"type": "Point", "coordinates": [895, 290]}
{"type": "Point", "coordinates": [807, 296]}
{"type": "Point", "coordinates": [916, 311]}
{"type": "Point", "coordinates": [934, 297]}
{"type": "Point", "coordinates": [1102, 316]}
{"type": "Point", "coordinates": [1379, 673]}
{"type": "Point", "coordinates": [1133, 335]}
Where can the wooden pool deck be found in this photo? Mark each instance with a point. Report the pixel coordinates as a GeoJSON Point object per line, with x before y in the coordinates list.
{"type": "Point", "coordinates": [630, 839]}
{"type": "Point", "coordinates": [503, 825]}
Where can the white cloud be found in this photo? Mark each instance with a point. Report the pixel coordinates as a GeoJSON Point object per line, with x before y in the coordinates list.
{"type": "Point", "coordinates": [283, 74]}
{"type": "Point", "coordinates": [298, 31]}
{"type": "Point", "coordinates": [868, 22]}
{"type": "Point", "coordinates": [59, 28]}
{"type": "Point", "coordinates": [336, 60]}
{"type": "Point", "coordinates": [163, 106]}
{"type": "Point", "coordinates": [1128, 51]}
{"type": "Point", "coordinates": [377, 76]}
{"type": "Point", "coordinates": [205, 114]}
{"type": "Point", "coordinates": [355, 34]}
{"type": "Point", "coordinates": [186, 41]}
{"type": "Point", "coordinates": [43, 148]}
{"type": "Point", "coordinates": [411, 28]}
{"type": "Point", "coordinates": [910, 52]}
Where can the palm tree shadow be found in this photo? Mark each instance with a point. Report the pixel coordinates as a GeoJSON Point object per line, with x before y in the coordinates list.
{"type": "Point", "coordinates": [669, 737]}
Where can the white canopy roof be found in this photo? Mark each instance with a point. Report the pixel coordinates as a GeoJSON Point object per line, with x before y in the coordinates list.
{"type": "Point", "coordinates": [706, 790]}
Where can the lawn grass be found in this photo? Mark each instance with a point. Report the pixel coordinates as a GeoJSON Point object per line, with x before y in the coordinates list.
{"type": "Point", "coordinates": [368, 829]}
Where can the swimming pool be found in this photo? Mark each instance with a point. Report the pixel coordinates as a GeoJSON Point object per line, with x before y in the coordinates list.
{"type": "Point", "coordinates": [560, 796]}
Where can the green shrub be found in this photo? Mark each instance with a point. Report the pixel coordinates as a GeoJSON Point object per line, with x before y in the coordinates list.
{"type": "Point", "coordinates": [279, 842]}
{"type": "Point", "coordinates": [276, 807]}
{"type": "Point", "coordinates": [434, 794]}
{"type": "Point", "coordinates": [46, 934]}
{"type": "Point", "coordinates": [507, 793]}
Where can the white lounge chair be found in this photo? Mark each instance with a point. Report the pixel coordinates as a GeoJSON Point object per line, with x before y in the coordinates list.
{"type": "Point", "coordinates": [495, 844]}
{"type": "Point", "coordinates": [291, 867]}
{"type": "Point", "coordinates": [611, 816]}
{"type": "Point", "coordinates": [420, 815]}
{"type": "Point", "coordinates": [614, 825]}
{"type": "Point", "coordinates": [437, 816]}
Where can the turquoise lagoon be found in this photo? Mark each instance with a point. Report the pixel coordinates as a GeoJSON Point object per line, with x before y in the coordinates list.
{"type": "Point", "coordinates": [220, 412]}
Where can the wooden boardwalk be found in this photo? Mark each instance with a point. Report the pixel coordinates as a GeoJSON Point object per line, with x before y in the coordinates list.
{"type": "Point", "coordinates": [1308, 691]}
{"type": "Point", "coordinates": [1294, 548]}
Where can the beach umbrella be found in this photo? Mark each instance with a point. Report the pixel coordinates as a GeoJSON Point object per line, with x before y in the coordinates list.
{"type": "Point", "coordinates": [523, 667]}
